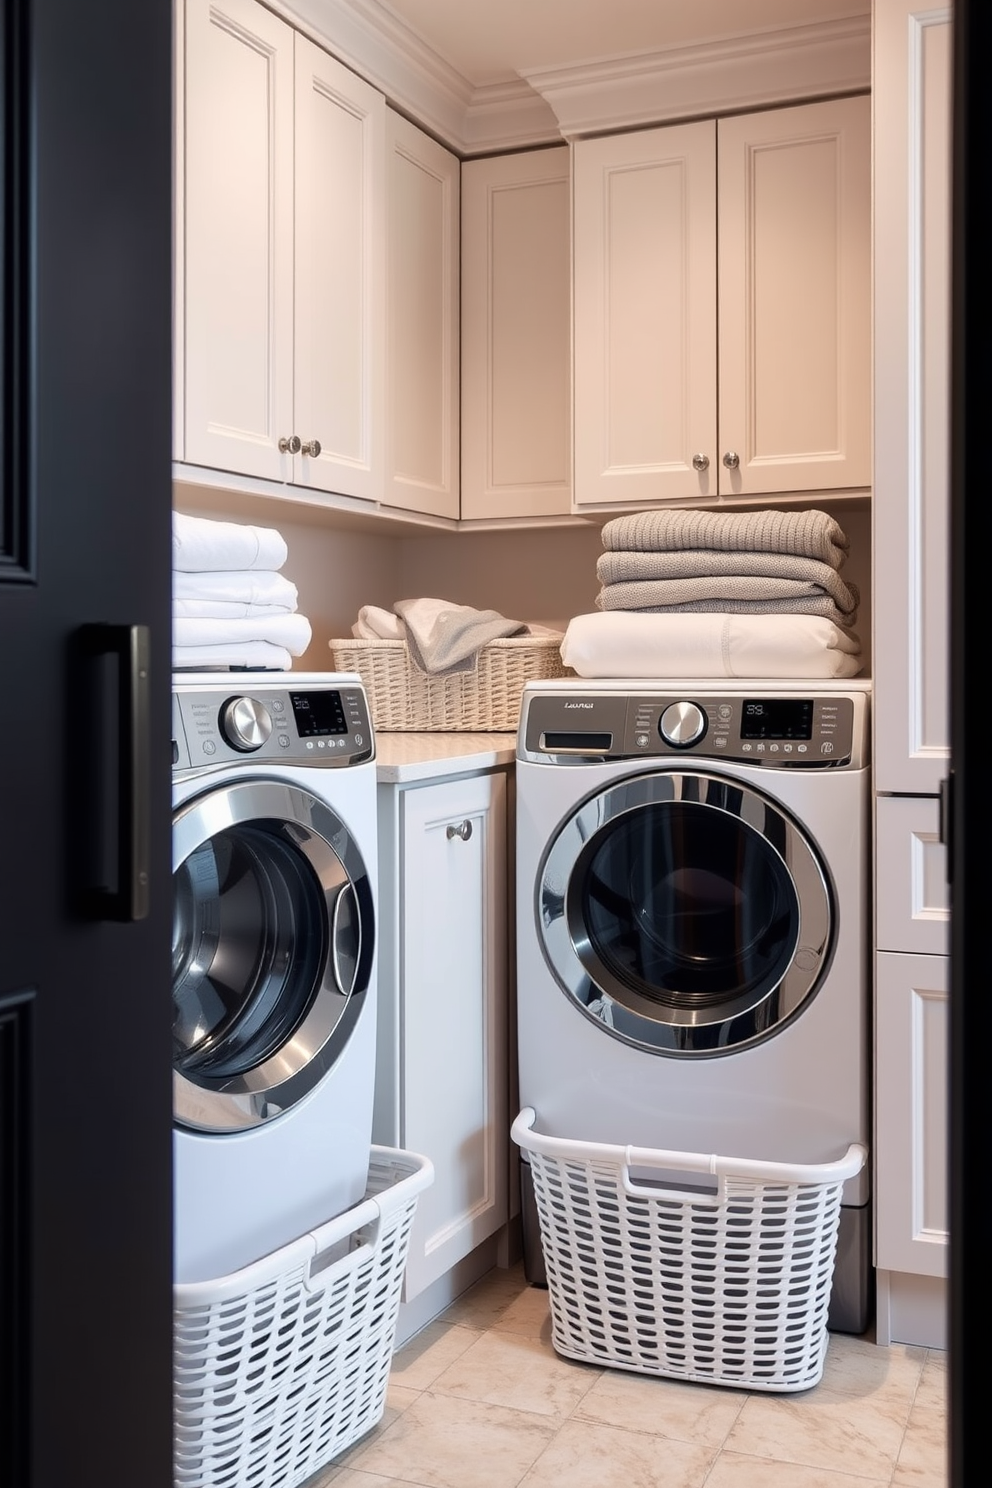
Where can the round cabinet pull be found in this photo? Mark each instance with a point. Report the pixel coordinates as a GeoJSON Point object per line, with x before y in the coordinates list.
{"type": "Point", "coordinates": [290, 446]}
{"type": "Point", "coordinates": [463, 830]}
{"type": "Point", "coordinates": [700, 462]}
{"type": "Point", "coordinates": [731, 460]}
{"type": "Point", "coordinates": [312, 448]}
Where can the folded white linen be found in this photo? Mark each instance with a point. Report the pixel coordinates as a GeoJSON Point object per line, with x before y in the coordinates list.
{"type": "Point", "coordinates": [224, 609]}
{"type": "Point", "coordinates": [200, 543]}
{"type": "Point", "coordinates": [808, 534]}
{"type": "Point", "coordinates": [375, 624]}
{"type": "Point", "coordinates": [261, 654]}
{"type": "Point", "coordinates": [621, 644]}
{"type": "Point", "coordinates": [250, 586]}
{"type": "Point", "coordinates": [293, 632]}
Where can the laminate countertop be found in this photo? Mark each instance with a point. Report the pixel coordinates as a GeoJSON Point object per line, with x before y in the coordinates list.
{"type": "Point", "coordinates": [403, 757]}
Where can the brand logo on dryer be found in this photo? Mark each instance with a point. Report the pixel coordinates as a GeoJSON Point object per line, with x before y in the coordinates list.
{"type": "Point", "coordinates": [580, 705]}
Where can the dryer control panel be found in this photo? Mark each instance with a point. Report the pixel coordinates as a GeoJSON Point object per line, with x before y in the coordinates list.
{"type": "Point", "coordinates": [754, 728]}
{"type": "Point", "coordinates": [296, 725]}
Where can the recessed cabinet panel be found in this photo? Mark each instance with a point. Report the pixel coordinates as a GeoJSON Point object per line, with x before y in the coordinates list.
{"type": "Point", "coordinates": [795, 310]}
{"type": "Point", "coordinates": [339, 351]}
{"type": "Point", "coordinates": [912, 895]}
{"type": "Point", "coordinates": [238, 215]}
{"type": "Point", "coordinates": [422, 322]}
{"type": "Point", "coordinates": [645, 315]}
{"type": "Point", "coordinates": [912, 331]}
{"type": "Point", "coordinates": [516, 336]}
{"type": "Point", "coordinates": [911, 1117]}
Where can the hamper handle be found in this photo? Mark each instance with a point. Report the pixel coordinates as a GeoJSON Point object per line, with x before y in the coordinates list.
{"type": "Point", "coordinates": [367, 1214]}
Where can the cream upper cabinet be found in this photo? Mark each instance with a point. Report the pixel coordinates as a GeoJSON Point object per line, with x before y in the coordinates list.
{"type": "Point", "coordinates": [422, 321]}
{"type": "Point", "coordinates": [722, 308]}
{"type": "Point", "coordinates": [516, 336]}
{"type": "Point", "coordinates": [282, 254]}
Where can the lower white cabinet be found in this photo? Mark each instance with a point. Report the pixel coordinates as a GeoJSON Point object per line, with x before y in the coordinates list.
{"type": "Point", "coordinates": [441, 1068]}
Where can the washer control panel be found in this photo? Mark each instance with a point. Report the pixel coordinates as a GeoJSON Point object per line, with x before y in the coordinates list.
{"type": "Point", "coordinates": [756, 728]}
{"type": "Point", "coordinates": [303, 726]}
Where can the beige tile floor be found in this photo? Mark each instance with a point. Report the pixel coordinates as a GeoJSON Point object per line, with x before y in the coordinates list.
{"type": "Point", "coordinates": [480, 1399]}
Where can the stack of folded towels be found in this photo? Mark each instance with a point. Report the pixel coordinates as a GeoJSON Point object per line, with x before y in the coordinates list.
{"type": "Point", "coordinates": [231, 607]}
{"type": "Point", "coordinates": [715, 594]}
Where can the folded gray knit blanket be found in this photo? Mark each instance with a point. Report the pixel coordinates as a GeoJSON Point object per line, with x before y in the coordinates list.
{"type": "Point", "coordinates": [805, 534]}
{"type": "Point", "coordinates": [745, 575]}
{"type": "Point", "coordinates": [638, 597]}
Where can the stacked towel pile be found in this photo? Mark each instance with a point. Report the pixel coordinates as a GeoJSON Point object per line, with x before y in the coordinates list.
{"type": "Point", "coordinates": [714, 594]}
{"type": "Point", "coordinates": [231, 607]}
{"type": "Point", "coordinates": [441, 636]}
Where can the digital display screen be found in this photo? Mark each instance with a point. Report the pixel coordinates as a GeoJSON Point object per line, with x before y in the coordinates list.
{"type": "Point", "coordinates": [318, 713]}
{"type": "Point", "coordinates": [777, 718]}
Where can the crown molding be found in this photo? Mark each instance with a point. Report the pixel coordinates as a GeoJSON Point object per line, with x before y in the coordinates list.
{"type": "Point", "coordinates": [545, 105]}
{"type": "Point", "coordinates": [748, 71]}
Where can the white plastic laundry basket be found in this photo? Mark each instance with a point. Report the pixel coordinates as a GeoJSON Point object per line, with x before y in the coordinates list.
{"type": "Point", "coordinates": [282, 1365]}
{"type": "Point", "coordinates": [688, 1265]}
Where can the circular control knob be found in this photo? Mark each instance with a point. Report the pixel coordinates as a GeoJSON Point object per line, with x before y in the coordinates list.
{"type": "Point", "coordinates": [682, 724]}
{"type": "Point", "coordinates": [245, 723]}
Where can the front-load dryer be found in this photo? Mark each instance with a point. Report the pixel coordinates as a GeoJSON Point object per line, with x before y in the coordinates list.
{"type": "Point", "coordinates": [273, 952]}
{"type": "Point", "coordinates": [693, 927]}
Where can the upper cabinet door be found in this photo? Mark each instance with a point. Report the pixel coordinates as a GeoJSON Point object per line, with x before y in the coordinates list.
{"type": "Point", "coordinates": [238, 215]}
{"type": "Point", "coordinates": [422, 321]}
{"type": "Point", "coordinates": [912, 140]}
{"type": "Point", "coordinates": [644, 263]}
{"type": "Point", "coordinates": [516, 336]}
{"type": "Point", "coordinates": [339, 277]}
{"type": "Point", "coordinates": [794, 194]}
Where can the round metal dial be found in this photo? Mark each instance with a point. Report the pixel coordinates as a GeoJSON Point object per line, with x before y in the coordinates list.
{"type": "Point", "coordinates": [682, 724]}
{"type": "Point", "coordinates": [245, 723]}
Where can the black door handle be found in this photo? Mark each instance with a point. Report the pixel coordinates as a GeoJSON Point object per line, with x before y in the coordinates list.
{"type": "Point", "coordinates": [125, 895]}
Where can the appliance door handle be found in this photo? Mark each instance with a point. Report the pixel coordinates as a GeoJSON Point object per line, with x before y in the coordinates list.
{"type": "Point", "coordinates": [126, 897]}
{"type": "Point", "coordinates": [346, 938]}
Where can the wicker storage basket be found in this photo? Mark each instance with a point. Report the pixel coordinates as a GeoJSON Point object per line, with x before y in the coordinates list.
{"type": "Point", "coordinates": [282, 1365]}
{"type": "Point", "coordinates": [696, 1267]}
{"type": "Point", "coordinates": [487, 700]}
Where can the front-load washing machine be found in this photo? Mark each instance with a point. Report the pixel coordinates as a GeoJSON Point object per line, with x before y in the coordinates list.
{"type": "Point", "coordinates": [693, 928]}
{"type": "Point", "coordinates": [273, 950]}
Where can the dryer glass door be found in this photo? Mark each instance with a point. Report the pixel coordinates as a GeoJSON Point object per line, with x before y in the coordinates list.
{"type": "Point", "coordinates": [686, 912]}
{"type": "Point", "coordinates": [271, 950]}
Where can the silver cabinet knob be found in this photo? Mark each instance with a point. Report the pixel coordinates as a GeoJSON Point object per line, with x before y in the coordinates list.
{"type": "Point", "coordinates": [731, 460]}
{"type": "Point", "coordinates": [312, 448]}
{"type": "Point", "coordinates": [463, 830]}
{"type": "Point", "coordinates": [700, 462]}
{"type": "Point", "coordinates": [682, 724]}
{"type": "Point", "coordinates": [245, 723]}
{"type": "Point", "coordinates": [290, 446]}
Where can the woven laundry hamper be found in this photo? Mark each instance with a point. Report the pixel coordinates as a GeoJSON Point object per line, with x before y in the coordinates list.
{"type": "Point", "coordinates": [696, 1267]}
{"type": "Point", "coordinates": [281, 1366]}
{"type": "Point", "coordinates": [402, 698]}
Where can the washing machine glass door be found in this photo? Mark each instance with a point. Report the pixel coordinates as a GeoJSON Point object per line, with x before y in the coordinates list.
{"type": "Point", "coordinates": [685, 912]}
{"type": "Point", "coordinates": [271, 950]}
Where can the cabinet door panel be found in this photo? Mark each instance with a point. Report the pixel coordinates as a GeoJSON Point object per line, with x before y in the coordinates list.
{"type": "Point", "coordinates": [422, 321]}
{"type": "Point", "coordinates": [340, 122]}
{"type": "Point", "coordinates": [912, 910]}
{"type": "Point", "coordinates": [239, 235]}
{"type": "Point", "coordinates": [911, 1117]}
{"type": "Point", "coordinates": [794, 208]}
{"type": "Point", "coordinates": [912, 340]}
{"type": "Point", "coordinates": [453, 1061]}
{"type": "Point", "coordinates": [516, 336]}
{"type": "Point", "coordinates": [645, 315]}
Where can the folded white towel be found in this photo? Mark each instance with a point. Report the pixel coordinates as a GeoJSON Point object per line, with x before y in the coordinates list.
{"type": "Point", "coordinates": [619, 643]}
{"type": "Point", "coordinates": [242, 654]}
{"type": "Point", "coordinates": [293, 632]}
{"type": "Point", "coordinates": [248, 586]}
{"type": "Point", "coordinates": [224, 609]}
{"type": "Point", "coordinates": [200, 543]}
